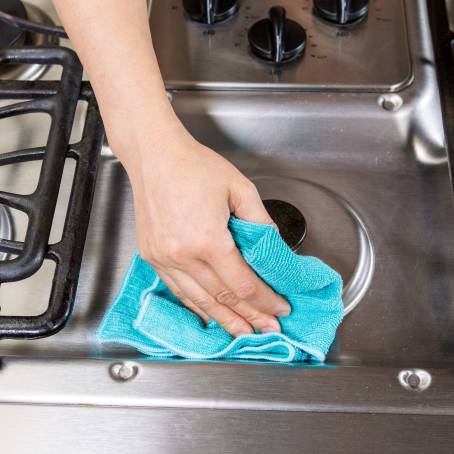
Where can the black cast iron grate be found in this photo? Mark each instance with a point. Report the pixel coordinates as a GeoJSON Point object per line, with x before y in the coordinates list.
{"type": "Point", "coordinates": [58, 99]}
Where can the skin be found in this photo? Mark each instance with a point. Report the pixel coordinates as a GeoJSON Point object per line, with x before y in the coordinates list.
{"type": "Point", "coordinates": [183, 191]}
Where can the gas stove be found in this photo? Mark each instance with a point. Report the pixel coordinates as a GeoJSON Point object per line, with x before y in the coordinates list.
{"type": "Point", "coordinates": [330, 107]}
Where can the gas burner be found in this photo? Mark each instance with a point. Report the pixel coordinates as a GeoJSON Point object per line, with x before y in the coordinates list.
{"type": "Point", "coordinates": [290, 221]}
{"type": "Point", "coordinates": [32, 71]}
{"type": "Point", "coordinates": [333, 222]}
{"type": "Point", "coordinates": [6, 228]}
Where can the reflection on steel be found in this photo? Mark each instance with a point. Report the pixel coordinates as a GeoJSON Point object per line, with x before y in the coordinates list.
{"type": "Point", "coordinates": [6, 229]}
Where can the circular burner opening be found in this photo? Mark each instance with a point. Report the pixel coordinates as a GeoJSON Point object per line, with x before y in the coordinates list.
{"type": "Point", "coordinates": [338, 235]}
{"type": "Point", "coordinates": [6, 228]}
{"type": "Point", "coordinates": [11, 36]}
{"type": "Point", "coordinates": [290, 221]}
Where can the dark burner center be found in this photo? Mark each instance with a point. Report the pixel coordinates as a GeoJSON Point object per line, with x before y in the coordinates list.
{"type": "Point", "coordinates": [11, 36]}
{"type": "Point", "coordinates": [291, 222]}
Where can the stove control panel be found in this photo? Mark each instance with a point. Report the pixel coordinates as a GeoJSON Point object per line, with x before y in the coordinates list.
{"type": "Point", "coordinates": [324, 45]}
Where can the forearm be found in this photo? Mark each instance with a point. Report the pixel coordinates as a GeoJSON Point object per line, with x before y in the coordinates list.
{"type": "Point", "coordinates": [113, 41]}
{"type": "Point", "coordinates": [184, 192]}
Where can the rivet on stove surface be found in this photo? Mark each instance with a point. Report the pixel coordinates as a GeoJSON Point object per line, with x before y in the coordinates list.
{"type": "Point", "coordinates": [390, 102]}
{"type": "Point", "coordinates": [415, 379]}
{"type": "Point", "coordinates": [124, 371]}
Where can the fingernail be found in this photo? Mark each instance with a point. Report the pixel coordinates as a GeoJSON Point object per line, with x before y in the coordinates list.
{"type": "Point", "coordinates": [285, 312]}
{"type": "Point", "coordinates": [271, 327]}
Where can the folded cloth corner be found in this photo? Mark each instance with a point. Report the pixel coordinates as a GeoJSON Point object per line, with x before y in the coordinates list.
{"type": "Point", "coordinates": [147, 316]}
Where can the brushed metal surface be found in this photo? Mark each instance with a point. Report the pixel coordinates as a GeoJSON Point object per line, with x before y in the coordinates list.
{"type": "Point", "coordinates": [170, 431]}
{"type": "Point", "coordinates": [390, 166]}
{"type": "Point", "coordinates": [371, 56]}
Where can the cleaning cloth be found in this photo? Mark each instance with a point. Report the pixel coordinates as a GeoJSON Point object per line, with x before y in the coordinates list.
{"type": "Point", "coordinates": [147, 316]}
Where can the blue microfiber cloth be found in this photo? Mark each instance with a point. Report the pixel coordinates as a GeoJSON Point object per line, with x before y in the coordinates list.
{"type": "Point", "coordinates": [147, 316]}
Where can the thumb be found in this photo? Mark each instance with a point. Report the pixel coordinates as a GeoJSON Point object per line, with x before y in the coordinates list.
{"type": "Point", "coordinates": [246, 204]}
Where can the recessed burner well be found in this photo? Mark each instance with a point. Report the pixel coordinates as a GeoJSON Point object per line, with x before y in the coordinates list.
{"type": "Point", "coordinates": [338, 235]}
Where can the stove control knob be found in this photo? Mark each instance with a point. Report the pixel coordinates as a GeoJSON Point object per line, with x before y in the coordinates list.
{"type": "Point", "coordinates": [341, 12]}
{"type": "Point", "coordinates": [277, 39]}
{"type": "Point", "coordinates": [210, 11]}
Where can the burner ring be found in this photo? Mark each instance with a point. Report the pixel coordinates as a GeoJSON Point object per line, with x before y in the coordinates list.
{"type": "Point", "coordinates": [335, 221]}
{"type": "Point", "coordinates": [6, 228]}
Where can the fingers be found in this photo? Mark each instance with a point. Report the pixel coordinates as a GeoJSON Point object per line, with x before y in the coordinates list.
{"type": "Point", "coordinates": [208, 279]}
{"type": "Point", "coordinates": [237, 275]}
{"type": "Point", "coordinates": [177, 292]}
{"type": "Point", "coordinates": [190, 291]}
{"type": "Point", "coordinates": [246, 204]}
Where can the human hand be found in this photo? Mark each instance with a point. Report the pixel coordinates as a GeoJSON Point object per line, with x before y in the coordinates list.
{"type": "Point", "coordinates": [184, 194]}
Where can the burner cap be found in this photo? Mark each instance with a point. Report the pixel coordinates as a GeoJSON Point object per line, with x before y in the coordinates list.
{"type": "Point", "coordinates": [291, 222]}
{"type": "Point", "coordinates": [12, 36]}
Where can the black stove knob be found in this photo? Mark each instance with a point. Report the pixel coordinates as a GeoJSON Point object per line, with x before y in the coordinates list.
{"type": "Point", "coordinates": [341, 12]}
{"type": "Point", "coordinates": [210, 11]}
{"type": "Point", "coordinates": [277, 39]}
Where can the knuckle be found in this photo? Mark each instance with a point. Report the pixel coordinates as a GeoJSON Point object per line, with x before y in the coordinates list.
{"type": "Point", "coordinates": [233, 326]}
{"type": "Point", "coordinates": [156, 257]}
{"type": "Point", "coordinates": [226, 297]}
{"type": "Point", "coordinates": [204, 247]}
{"type": "Point", "coordinates": [256, 319]}
{"type": "Point", "coordinates": [202, 302]}
{"type": "Point", "coordinates": [251, 188]}
{"type": "Point", "coordinates": [172, 252]}
{"type": "Point", "coordinates": [247, 290]}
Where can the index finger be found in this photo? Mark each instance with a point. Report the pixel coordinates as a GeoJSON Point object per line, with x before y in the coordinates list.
{"type": "Point", "coordinates": [245, 283]}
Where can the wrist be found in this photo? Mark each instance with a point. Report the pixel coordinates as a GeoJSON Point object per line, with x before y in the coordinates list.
{"type": "Point", "coordinates": [144, 145]}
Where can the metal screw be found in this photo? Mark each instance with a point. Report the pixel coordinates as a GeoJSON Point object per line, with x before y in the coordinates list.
{"type": "Point", "coordinates": [390, 102]}
{"type": "Point", "coordinates": [415, 379]}
{"type": "Point", "coordinates": [124, 371]}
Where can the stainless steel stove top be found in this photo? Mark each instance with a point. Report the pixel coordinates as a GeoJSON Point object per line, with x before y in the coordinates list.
{"type": "Point", "coordinates": [369, 170]}
{"type": "Point", "coordinates": [372, 55]}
